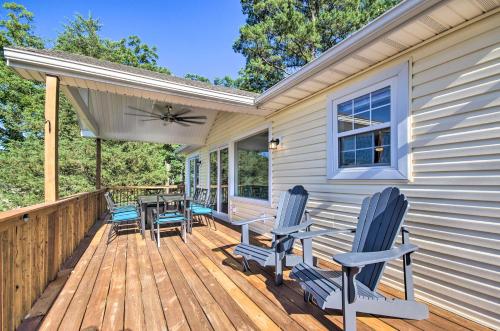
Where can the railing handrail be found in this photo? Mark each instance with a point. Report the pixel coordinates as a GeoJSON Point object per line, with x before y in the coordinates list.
{"type": "Point", "coordinates": [38, 240]}
{"type": "Point", "coordinates": [20, 212]}
{"type": "Point", "coordinates": [142, 187]}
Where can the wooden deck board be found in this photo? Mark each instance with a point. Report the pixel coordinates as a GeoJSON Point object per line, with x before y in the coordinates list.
{"type": "Point", "coordinates": [131, 284]}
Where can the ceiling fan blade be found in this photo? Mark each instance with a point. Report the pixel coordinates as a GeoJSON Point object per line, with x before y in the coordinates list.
{"type": "Point", "coordinates": [140, 115]}
{"type": "Point", "coordinates": [149, 120]}
{"type": "Point", "coordinates": [189, 121]}
{"type": "Point", "coordinates": [182, 112]}
{"type": "Point", "coordinates": [144, 111]}
{"type": "Point", "coordinates": [194, 117]}
{"type": "Point", "coordinates": [180, 123]}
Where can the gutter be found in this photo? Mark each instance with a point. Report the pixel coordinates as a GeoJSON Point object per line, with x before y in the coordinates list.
{"type": "Point", "coordinates": [25, 59]}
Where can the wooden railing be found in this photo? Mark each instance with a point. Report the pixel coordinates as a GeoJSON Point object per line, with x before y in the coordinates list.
{"type": "Point", "coordinates": [129, 194]}
{"type": "Point", "coordinates": [34, 243]}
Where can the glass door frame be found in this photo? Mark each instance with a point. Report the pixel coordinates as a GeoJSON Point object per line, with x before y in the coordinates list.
{"type": "Point", "coordinates": [219, 177]}
{"type": "Point", "coordinates": [196, 175]}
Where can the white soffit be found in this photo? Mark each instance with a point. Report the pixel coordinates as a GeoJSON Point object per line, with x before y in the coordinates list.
{"type": "Point", "coordinates": [404, 26]}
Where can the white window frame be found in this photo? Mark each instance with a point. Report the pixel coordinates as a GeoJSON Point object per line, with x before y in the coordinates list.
{"type": "Point", "coordinates": [219, 197]}
{"type": "Point", "coordinates": [233, 165]}
{"type": "Point", "coordinates": [398, 78]}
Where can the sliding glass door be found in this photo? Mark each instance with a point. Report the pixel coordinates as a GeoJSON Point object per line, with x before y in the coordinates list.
{"type": "Point", "coordinates": [194, 174]}
{"type": "Point", "coordinates": [224, 181]}
{"type": "Point", "coordinates": [219, 178]}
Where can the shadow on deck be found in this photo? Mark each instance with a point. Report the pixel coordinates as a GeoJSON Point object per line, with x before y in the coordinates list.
{"type": "Point", "coordinates": [131, 284]}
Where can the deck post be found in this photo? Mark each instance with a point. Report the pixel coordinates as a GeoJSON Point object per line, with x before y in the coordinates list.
{"type": "Point", "coordinates": [98, 162]}
{"type": "Point", "coordinates": [51, 138]}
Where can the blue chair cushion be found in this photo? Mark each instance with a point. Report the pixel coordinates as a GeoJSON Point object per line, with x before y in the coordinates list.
{"type": "Point", "coordinates": [171, 219]}
{"type": "Point", "coordinates": [124, 209]}
{"type": "Point", "coordinates": [170, 214]}
{"type": "Point", "coordinates": [201, 210]}
{"type": "Point", "coordinates": [195, 204]}
{"type": "Point", "coordinates": [125, 216]}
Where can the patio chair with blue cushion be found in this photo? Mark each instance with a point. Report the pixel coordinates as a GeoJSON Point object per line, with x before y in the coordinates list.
{"type": "Point", "coordinates": [170, 217]}
{"type": "Point", "coordinates": [354, 288]}
{"type": "Point", "coordinates": [205, 208]}
{"type": "Point", "coordinates": [199, 198]}
{"type": "Point", "coordinates": [115, 207]}
{"type": "Point", "coordinates": [291, 211]}
{"type": "Point", "coordinates": [119, 218]}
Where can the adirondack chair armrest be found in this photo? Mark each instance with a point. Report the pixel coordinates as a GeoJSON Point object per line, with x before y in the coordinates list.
{"type": "Point", "coordinates": [291, 229]}
{"type": "Point", "coordinates": [360, 259]}
{"type": "Point", "coordinates": [312, 234]}
{"type": "Point", "coordinates": [243, 222]}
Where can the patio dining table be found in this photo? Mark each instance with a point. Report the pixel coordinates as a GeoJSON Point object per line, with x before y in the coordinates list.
{"type": "Point", "coordinates": [148, 202]}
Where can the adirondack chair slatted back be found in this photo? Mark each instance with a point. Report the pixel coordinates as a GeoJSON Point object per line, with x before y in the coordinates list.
{"type": "Point", "coordinates": [291, 209]}
{"type": "Point", "coordinates": [380, 220]}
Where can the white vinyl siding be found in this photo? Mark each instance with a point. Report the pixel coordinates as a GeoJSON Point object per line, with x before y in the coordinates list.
{"type": "Point", "coordinates": [454, 174]}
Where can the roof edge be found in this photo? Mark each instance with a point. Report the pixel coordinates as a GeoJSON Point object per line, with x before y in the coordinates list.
{"type": "Point", "coordinates": [19, 57]}
{"type": "Point", "coordinates": [375, 29]}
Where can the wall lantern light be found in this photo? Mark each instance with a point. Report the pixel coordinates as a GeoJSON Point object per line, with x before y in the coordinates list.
{"type": "Point", "coordinates": [273, 144]}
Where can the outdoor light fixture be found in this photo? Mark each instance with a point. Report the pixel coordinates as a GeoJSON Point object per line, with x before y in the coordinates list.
{"type": "Point", "coordinates": [273, 144]}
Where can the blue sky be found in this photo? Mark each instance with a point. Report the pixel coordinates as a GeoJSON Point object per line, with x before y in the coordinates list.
{"type": "Point", "coordinates": [191, 36]}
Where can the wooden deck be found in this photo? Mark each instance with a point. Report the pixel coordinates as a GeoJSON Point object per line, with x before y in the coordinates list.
{"type": "Point", "coordinates": [131, 284]}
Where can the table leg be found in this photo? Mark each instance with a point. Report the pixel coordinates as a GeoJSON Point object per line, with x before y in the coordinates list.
{"type": "Point", "coordinates": [143, 221]}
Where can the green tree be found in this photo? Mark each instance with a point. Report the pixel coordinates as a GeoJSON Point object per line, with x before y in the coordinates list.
{"type": "Point", "coordinates": [21, 117]}
{"type": "Point", "coordinates": [124, 163]}
{"type": "Point", "coordinates": [227, 81]}
{"type": "Point", "coordinates": [281, 36]}
{"type": "Point", "coordinates": [22, 124]}
{"type": "Point", "coordinates": [81, 36]}
{"type": "Point", "coordinates": [197, 78]}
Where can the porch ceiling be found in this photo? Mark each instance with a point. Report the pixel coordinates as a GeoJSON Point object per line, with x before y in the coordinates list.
{"type": "Point", "coordinates": [102, 92]}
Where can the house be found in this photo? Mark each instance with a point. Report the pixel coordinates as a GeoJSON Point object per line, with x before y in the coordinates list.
{"type": "Point", "coordinates": [411, 100]}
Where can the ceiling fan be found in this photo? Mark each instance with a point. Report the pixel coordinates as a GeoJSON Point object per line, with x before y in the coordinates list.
{"type": "Point", "coordinates": [165, 114]}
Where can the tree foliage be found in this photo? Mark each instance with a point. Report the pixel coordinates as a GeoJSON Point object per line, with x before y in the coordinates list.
{"type": "Point", "coordinates": [22, 119]}
{"type": "Point", "coordinates": [197, 78]}
{"type": "Point", "coordinates": [227, 81]}
{"type": "Point", "coordinates": [280, 36]}
{"type": "Point", "coordinates": [81, 36]}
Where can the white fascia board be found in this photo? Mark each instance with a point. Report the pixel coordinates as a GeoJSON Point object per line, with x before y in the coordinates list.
{"type": "Point", "coordinates": [379, 27]}
{"type": "Point", "coordinates": [63, 67]}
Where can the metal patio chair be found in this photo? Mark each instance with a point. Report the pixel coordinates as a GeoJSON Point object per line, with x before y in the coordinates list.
{"type": "Point", "coordinates": [168, 217]}
{"type": "Point", "coordinates": [120, 215]}
{"type": "Point", "coordinates": [115, 207]}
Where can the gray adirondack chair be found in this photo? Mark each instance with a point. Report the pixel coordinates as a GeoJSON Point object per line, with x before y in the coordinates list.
{"type": "Point", "coordinates": [291, 211]}
{"type": "Point", "coordinates": [354, 288]}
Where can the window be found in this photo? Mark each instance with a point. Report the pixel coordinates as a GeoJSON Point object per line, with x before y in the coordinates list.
{"type": "Point", "coordinates": [364, 131]}
{"type": "Point", "coordinates": [252, 167]}
{"type": "Point", "coordinates": [368, 130]}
